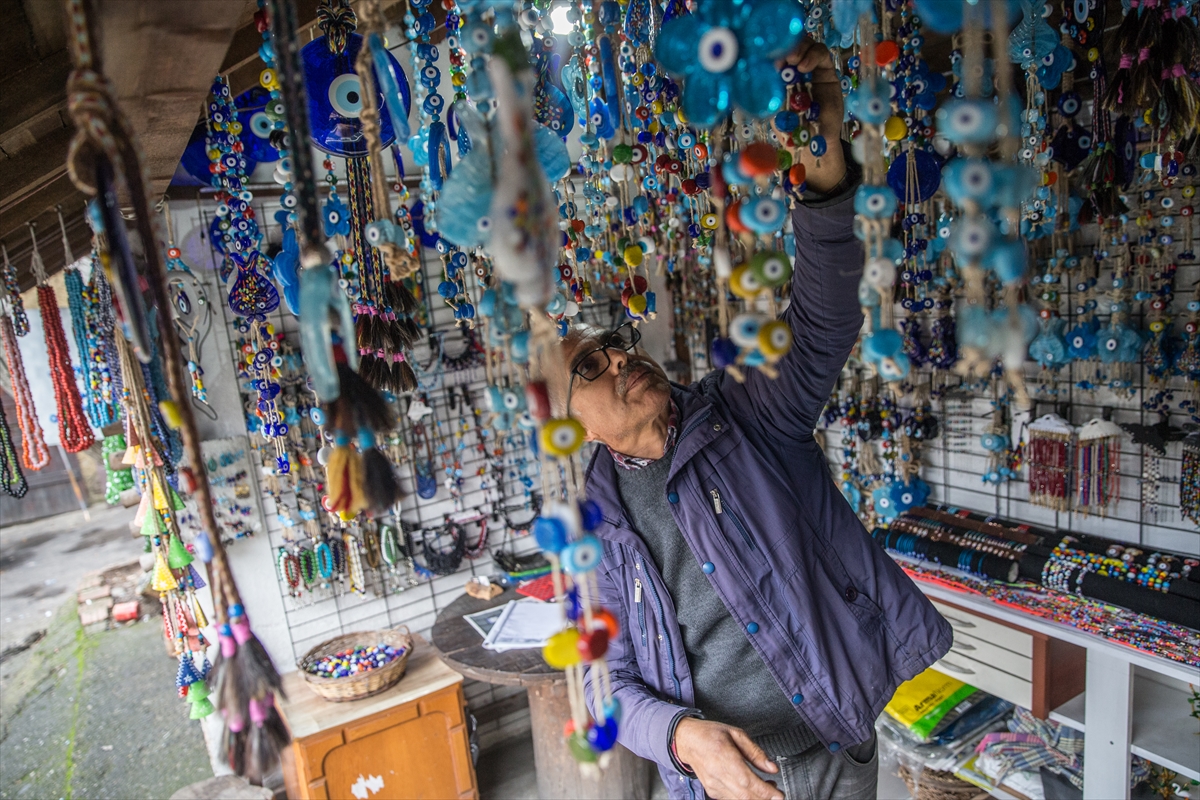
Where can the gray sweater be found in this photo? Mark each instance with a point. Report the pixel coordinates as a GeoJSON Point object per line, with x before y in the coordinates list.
{"type": "Point", "coordinates": [732, 684]}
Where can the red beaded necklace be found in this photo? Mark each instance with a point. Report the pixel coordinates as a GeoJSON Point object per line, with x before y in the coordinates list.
{"type": "Point", "coordinates": [74, 431]}
{"type": "Point", "coordinates": [34, 453]}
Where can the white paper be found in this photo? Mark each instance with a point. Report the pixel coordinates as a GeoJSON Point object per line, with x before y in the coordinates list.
{"type": "Point", "coordinates": [525, 625]}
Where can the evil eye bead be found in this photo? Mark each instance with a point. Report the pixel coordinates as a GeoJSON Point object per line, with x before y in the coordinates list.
{"type": "Point", "coordinates": [817, 146]}
{"type": "Point", "coordinates": [550, 534]}
{"type": "Point", "coordinates": [774, 340]}
{"type": "Point", "coordinates": [874, 202]}
{"type": "Point", "coordinates": [744, 283]}
{"type": "Point", "coordinates": [967, 121]}
{"type": "Point", "coordinates": [764, 215]}
{"type": "Point", "coordinates": [317, 416]}
{"type": "Point", "coordinates": [790, 74]}
{"type": "Point", "coordinates": [879, 273]}
{"type": "Point", "coordinates": [686, 140]}
{"type": "Point", "coordinates": [718, 50]}
{"type": "Point", "coordinates": [582, 556]}
{"type": "Point", "coordinates": [345, 95]}
{"type": "Point", "coordinates": [710, 222]}
{"type": "Point", "coordinates": [562, 437]}
{"type": "Point", "coordinates": [744, 330]}
{"type": "Point", "coordinates": [1069, 104]}
{"type": "Point", "coordinates": [261, 125]}
{"type": "Point", "coordinates": [771, 268]}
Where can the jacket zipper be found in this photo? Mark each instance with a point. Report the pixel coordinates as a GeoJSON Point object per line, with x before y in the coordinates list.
{"type": "Point", "coordinates": [637, 599]}
{"type": "Point", "coordinates": [720, 508]}
{"type": "Point", "coordinates": [662, 626]}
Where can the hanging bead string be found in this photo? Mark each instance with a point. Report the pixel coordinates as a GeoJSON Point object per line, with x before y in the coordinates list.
{"type": "Point", "coordinates": [103, 132]}
{"type": "Point", "coordinates": [74, 432]}
{"type": "Point", "coordinates": [16, 306]}
{"type": "Point", "coordinates": [11, 479]}
{"type": "Point", "coordinates": [104, 324]}
{"type": "Point", "coordinates": [73, 283]}
{"type": "Point", "coordinates": [34, 453]}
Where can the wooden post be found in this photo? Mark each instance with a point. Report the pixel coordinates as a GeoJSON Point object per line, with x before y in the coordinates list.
{"type": "Point", "coordinates": [558, 774]}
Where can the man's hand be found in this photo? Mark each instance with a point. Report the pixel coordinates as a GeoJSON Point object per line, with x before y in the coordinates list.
{"type": "Point", "coordinates": [811, 57]}
{"type": "Point", "coordinates": [718, 753]}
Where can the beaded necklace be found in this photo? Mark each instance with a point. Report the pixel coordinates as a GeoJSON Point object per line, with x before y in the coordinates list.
{"type": "Point", "coordinates": [11, 479]}
{"type": "Point", "coordinates": [74, 432]}
{"type": "Point", "coordinates": [34, 454]}
{"type": "Point", "coordinates": [16, 306]}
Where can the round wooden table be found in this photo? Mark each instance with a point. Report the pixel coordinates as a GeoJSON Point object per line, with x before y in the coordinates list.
{"type": "Point", "coordinates": [558, 774]}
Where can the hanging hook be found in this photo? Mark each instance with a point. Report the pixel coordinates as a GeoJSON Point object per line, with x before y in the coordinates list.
{"type": "Point", "coordinates": [35, 260]}
{"type": "Point", "coordinates": [68, 256]}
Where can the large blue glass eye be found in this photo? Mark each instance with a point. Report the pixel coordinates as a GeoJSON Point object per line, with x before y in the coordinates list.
{"type": "Point", "coordinates": [335, 98]}
{"type": "Point", "coordinates": [345, 95]}
{"type": "Point", "coordinates": [718, 50]}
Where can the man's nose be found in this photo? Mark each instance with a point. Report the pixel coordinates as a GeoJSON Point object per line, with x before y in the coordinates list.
{"type": "Point", "coordinates": [616, 360]}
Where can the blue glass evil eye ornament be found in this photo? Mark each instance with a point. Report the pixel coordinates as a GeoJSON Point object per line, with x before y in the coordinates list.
{"type": "Point", "coordinates": [252, 293]}
{"type": "Point", "coordinates": [725, 54]}
{"type": "Point", "coordinates": [335, 96]}
{"type": "Point", "coordinates": [257, 125]}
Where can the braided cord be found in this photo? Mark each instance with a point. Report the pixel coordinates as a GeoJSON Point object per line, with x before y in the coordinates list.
{"type": "Point", "coordinates": [34, 453]}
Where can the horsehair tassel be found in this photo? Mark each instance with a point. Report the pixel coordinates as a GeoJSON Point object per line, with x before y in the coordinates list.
{"type": "Point", "coordinates": [74, 430]}
{"type": "Point", "coordinates": [34, 453]}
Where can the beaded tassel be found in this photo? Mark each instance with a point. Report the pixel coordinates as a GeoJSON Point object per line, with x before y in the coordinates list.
{"type": "Point", "coordinates": [1049, 462]}
{"type": "Point", "coordinates": [1097, 467]}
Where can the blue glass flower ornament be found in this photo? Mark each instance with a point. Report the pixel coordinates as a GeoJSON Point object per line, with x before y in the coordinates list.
{"type": "Point", "coordinates": [257, 125]}
{"type": "Point", "coordinates": [906, 495]}
{"type": "Point", "coordinates": [1081, 341]}
{"type": "Point", "coordinates": [1007, 260]}
{"type": "Point", "coordinates": [725, 53]}
{"type": "Point", "coordinates": [639, 17]}
{"type": "Point", "coordinates": [1053, 65]}
{"type": "Point", "coordinates": [885, 507]}
{"type": "Point", "coordinates": [335, 98]}
{"type": "Point", "coordinates": [575, 87]}
{"type": "Point", "coordinates": [885, 350]}
{"type": "Point", "coordinates": [336, 216]}
{"type": "Point", "coordinates": [993, 442]}
{"type": "Point", "coordinates": [853, 495]}
{"type": "Point", "coordinates": [1118, 343]}
{"type": "Point", "coordinates": [599, 119]}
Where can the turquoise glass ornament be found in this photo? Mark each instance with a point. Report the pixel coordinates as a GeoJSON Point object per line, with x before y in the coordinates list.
{"type": "Point", "coordinates": [725, 53]}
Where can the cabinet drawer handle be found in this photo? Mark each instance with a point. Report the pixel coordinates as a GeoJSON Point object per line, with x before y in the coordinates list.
{"type": "Point", "coordinates": [958, 623]}
{"type": "Point", "coordinates": [963, 646]}
{"type": "Point", "coordinates": [950, 665]}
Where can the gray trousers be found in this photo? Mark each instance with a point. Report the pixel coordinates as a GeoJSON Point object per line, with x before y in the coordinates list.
{"type": "Point", "coordinates": [851, 773]}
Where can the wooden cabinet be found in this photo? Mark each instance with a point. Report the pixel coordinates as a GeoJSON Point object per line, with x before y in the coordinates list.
{"type": "Point", "coordinates": [1024, 667]}
{"type": "Point", "coordinates": [408, 742]}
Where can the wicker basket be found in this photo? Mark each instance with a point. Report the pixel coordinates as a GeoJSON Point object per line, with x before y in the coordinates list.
{"type": "Point", "coordinates": [940, 786]}
{"type": "Point", "coordinates": [364, 684]}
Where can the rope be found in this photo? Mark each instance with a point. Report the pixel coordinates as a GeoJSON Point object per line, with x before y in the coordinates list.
{"type": "Point", "coordinates": [34, 453]}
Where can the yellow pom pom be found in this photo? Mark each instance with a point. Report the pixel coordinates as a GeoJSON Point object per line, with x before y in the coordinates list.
{"type": "Point", "coordinates": [637, 304]}
{"type": "Point", "coordinates": [633, 255]}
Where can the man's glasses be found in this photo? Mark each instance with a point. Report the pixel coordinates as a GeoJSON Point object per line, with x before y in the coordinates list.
{"type": "Point", "coordinates": [594, 363]}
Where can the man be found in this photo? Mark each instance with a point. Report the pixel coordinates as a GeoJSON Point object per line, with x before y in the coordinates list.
{"type": "Point", "coordinates": [762, 630]}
